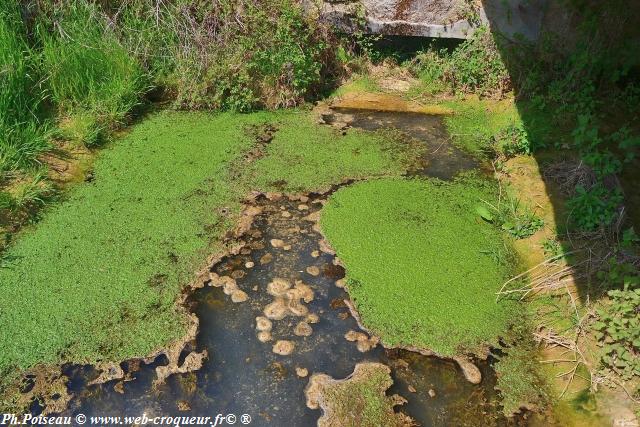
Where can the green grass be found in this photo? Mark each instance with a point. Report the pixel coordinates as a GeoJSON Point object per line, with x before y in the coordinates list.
{"type": "Point", "coordinates": [98, 277]}
{"type": "Point", "coordinates": [304, 156]}
{"type": "Point", "coordinates": [474, 121]}
{"type": "Point", "coordinates": [21, 137]}
{"type": "Point", "coordinates": [422, 267]}
{"type": "Point", "coordinates": [89, 73]}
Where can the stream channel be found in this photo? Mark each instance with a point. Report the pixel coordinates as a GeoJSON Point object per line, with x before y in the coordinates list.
{"type": "Point", "coordinates": [242, 375]}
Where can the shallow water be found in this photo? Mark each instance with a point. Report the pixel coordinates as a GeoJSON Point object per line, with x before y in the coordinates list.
{"type": "Point", "coordinates": [442, 159]}
{"type": "Point", "coordinates": [243, 376]}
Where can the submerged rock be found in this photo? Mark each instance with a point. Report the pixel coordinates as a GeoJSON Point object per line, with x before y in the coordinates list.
{"type": "Point", "coordinates": [302, 372]}
{"type": "Point", "coordinates": [315, 254]}
{"type": "Point", "coordinates": [183, 405]}
{"type": "Point", "coordinates": [312, 318]}
{"type": "Point", "coordinates": [363, 342]}
{"type": "Point", "coordinates": [264, 336]}
{"type": "Point", "coordinates": [266, 258]}
{"type": "Point", "coordinates": [313, 270]}
{"type": "Point", "coordinates": [277, 243]}
{"type": "Point", "coordinates": [283, 347]}
{"type": "Point", "coordinates": [278, 287]}
{"type": "Point", "coordinates": [470, 371]}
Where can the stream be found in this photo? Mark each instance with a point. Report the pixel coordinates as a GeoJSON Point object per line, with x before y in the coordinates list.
{"type": "Point", "coordinates": [242, 375]}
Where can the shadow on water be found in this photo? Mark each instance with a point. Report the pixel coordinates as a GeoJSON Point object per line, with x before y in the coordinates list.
{"type": "Point", "coordinates": [243, 376]}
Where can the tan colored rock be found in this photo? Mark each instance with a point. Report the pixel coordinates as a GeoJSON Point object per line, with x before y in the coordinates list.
{"type": "Point", "coordinates": [341, 283]}
{"type": "Point", "coordinates": [312, 318]}
{"type": "Point", "coordinates": [304, 291]}
{"type": "Point", "coordinates": [278, 287]}
{"type": "Point", "coordinates": [296, 308]}
{"type": "Point", "coordinates": [277, 243]}
{"type": "Point", "coordinates": [302, 372]}
{"type": "Point", "coordinates": [283, 347]}
{"type": "Point", "coordinates": [432, 393]}
{"type": "Point", "coordinates": [303, 329]}
{"type": "Point", "coordinates": [312, 217]}
{"type": "Point", "coordinates": [237, 274]}
{"type": "Point", "coordinates": [264, 336]}
{"type": "Point", "coordinates": [239, 296]}
{"type": "Point", "coordinates": [183, 405]}
{"type": "Point", "coordinates": [263, 324]}
{"type": "Point", "coordinates": [315, 254]}
{"type": "Point", "coordinates": [277, 310]}
{"type": "Point", "coordinates": [286, 248]}
{"type": "Point", "coordinates": [249, 264]}
{"type": "Point", "coordinates": [470, 371]}
{"type": "Point", "coordinates": [303, 207]}
{"type": "Point", "coordinates": [313, 270]}
{"type": "Point", "coordinates": [286, 214]}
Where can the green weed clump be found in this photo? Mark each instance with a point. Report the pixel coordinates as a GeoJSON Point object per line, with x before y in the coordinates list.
{"type": "Point", "coordinates": [422, 268]}
{"type": "Point", "coordinates": [90, 75]}
{"type": "Point", "coordinates": [475, 66]}
{"type": "Point", "coordinates": [618, 333]}
{"type": "Point", "coordinates": [22, 136]}
{"type": "Point", "coordinates": [511, 216]}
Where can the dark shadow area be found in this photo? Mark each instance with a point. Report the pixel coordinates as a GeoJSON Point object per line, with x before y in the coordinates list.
{"type": "Point", "coordinates": [584, 62]}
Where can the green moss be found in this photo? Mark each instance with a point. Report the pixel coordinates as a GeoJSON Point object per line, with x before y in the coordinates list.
{"type": "Point", "coordinates": [304, 156]}
{"type": "Point", "coordinates": [422, 267]}
{"type": "Point", "coordinates": [98, 277]}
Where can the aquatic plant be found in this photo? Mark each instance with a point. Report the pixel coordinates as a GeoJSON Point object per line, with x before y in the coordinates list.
{"type": "Point", "coordinates": [412, 279]}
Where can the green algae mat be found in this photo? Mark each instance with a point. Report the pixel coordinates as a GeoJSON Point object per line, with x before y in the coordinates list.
{"type": "Point", "coordinates": [422, 267]}
{"type": "Point", "coordinates": [98, 277]}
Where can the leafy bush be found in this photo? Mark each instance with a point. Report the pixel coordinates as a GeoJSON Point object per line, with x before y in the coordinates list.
{"type": "Point", "coordinates": [618, 333]}
{"type": "Point", "coordinates": [231, 55]}
{"type": "Point", "coordinates": [593, 207]}
{"type": "Point", "coordinates": [475, 66]}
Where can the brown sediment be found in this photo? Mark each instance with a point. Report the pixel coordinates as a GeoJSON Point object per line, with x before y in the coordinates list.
{"type": "Point", "coordinates": [386, 102]}
{"type": "Point", "coordinates": [344, 402]}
